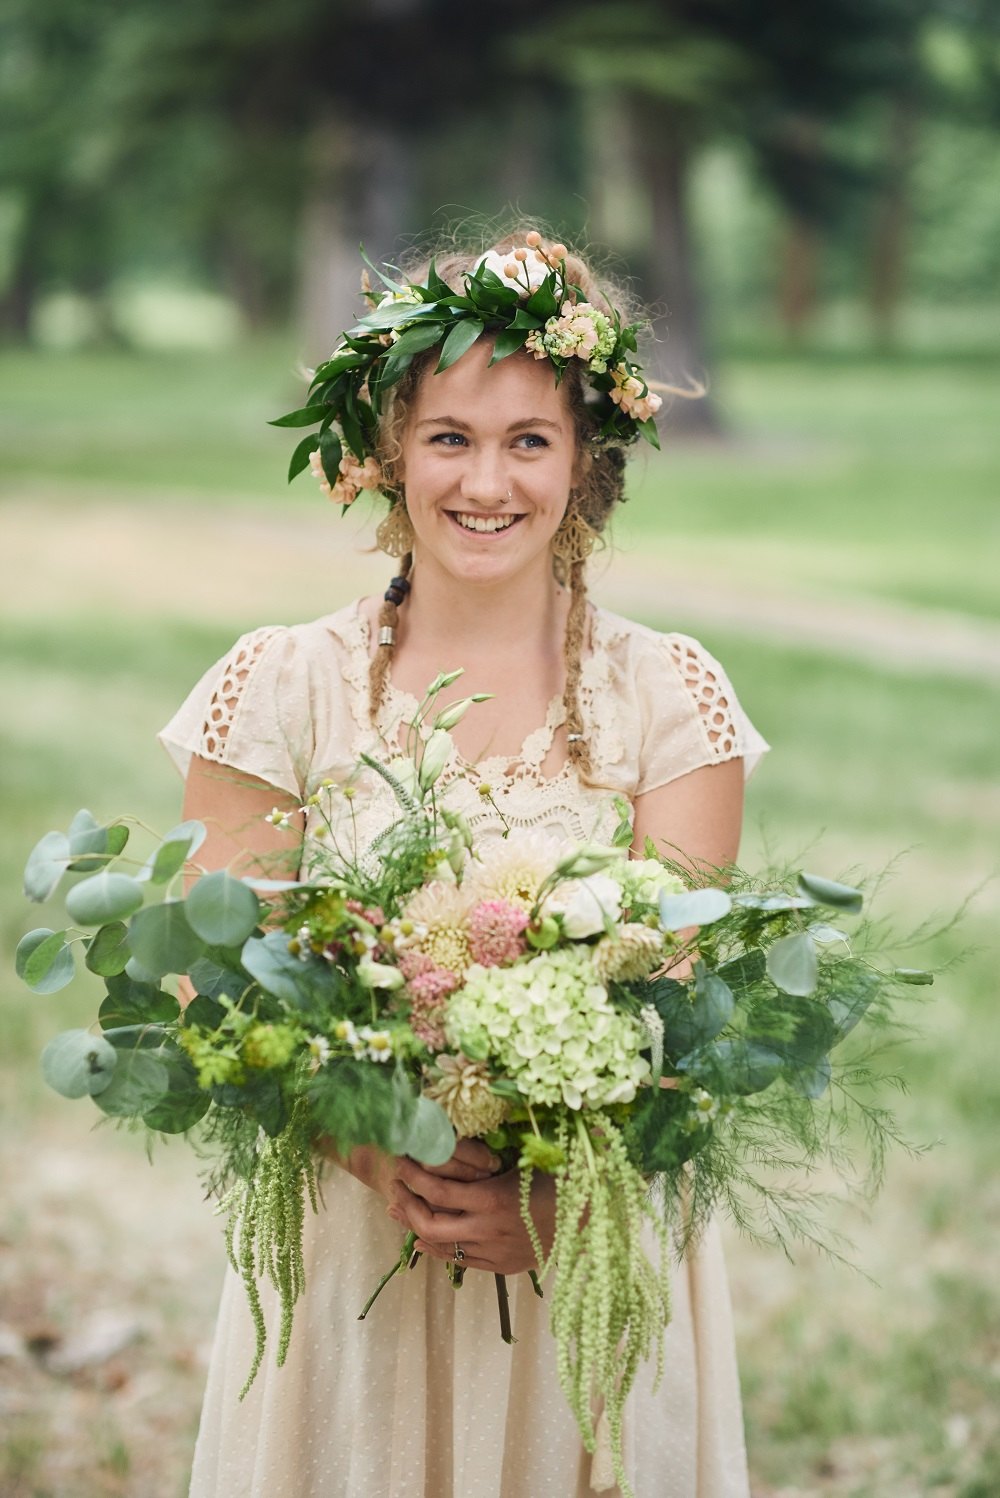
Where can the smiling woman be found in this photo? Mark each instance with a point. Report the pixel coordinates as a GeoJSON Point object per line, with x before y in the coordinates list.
{"type": "Point", "coordinates": [492, 399]}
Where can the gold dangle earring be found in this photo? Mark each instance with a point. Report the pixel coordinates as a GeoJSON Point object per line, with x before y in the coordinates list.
{"type": "Point", "coordinates": [575, 539]}
{"type": "Point", "coordinates": [394, 535]}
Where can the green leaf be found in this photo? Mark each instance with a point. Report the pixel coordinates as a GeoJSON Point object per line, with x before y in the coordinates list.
{"type": "Point", "coordinates": [771, 900]}
{"type": "Point", "coordinates": [735, 1066]}
{"type": "Point", "coordinates": [44, 960]}
{"type": "Point", "coordinates": [108, 950]}
{"type": "Point", "coordinates": [828, 892]}
{"type": "Point", "coordinates": [458, 342]}
{"type": "Point", "coordinates": [300, 457]}
{"type": "Point", "coordinates": [852, 991]}
{"type": "Point", "coordinates": [287, 977]}
{"type": "Point", "coordinates": [523, 319]}
{"type": "Point", "coordinates": [698, 907]}
{"type": "Point", "coordinates": [647, 429]}
{"type": "Point", "coordinates": [743, 972]}
{"type": "Point", "coordinates": [132, 1003]}
{"type": "Point", "coordinates": [331, 450]}
{"type": "Point", "coordinates": [507, 342]}
{"type": "Point", "coordinates": [305, 416]}
{"type": "Point", "coordinates": [394, 314]}
{"type": "Point", "coordinates": [77, 1063]}
{"type": "Point", "coordinates": [543, 302]}
{"type": "Point", "coordinates": [169, 858]}
{"type": "Point", "coordinates": [222, 910]}
{"type": "Point", "coordinates": [139, 1082]}
{"type": "Point", "coordinates": [204, 1011]}
{"type": "Point", "coordinates": [184, 1102]}
{"type": "Point", "coordinates": [691, 1014]}
{"type": "Point", "coordinates": [265, 1101]}
{"type": "Point", "coordinates": [792, 964]}
{"type": "Point", "coordinates": [162, 940]}
{"type": "Point", "coordinates": [103, 897]}
{"type": "Point", "coordinates": [211, 979]}
{"type": "Point", "coordinates": [429, 1136]}
{"type": "Point", "coordinates": [47, 862]}
{"type": "Point", "coordinates": [811, 1081]}
{"type": "Point", "coordinates": [87, 838]}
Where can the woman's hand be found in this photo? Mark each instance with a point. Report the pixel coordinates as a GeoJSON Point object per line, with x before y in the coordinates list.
{"type": "Point", "coordinates": [482, 1214]}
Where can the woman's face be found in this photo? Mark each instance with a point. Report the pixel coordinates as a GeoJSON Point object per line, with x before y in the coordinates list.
{"type": "Point", "coordinates": [475, 434]}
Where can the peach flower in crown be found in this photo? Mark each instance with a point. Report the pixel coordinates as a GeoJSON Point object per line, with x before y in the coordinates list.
{"type": "Point", "coordinates": [353, 477]}
{"type": "Point", "coordinates": [633, 395]}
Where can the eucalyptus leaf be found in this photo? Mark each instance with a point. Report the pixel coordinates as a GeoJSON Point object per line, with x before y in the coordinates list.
{"type": "Point", "coordinates": [737, 1066]}
{"type": "Point", "coordinates": [103, 897]}
{"type": "Point", "coordinates": [698, 907]}
{"type": "Point", "coordinates": [162, 940]}
{"type": "Point", "coordinates": [140, 1081]}
{"type": "Point", "coordinates": [853, 989]}
{"type": "Point", "coordinates": [811, 1081]}
{"type": "Point", "coordinates": [430, 1137]}
{"type": "Point", "coordinates": [792, 964]}
{"type": "Point", "coordinates": [775, 899]}
{"type": "Point", "coordinates": [108, 950]}
{"type": "Point", "coordinates": [88, 842]}
{"type": "Point", "coordinates": [47, 862]}
{"type": "Point", "coordinates": [692, 1014]}
{"type": "Point", "coordinates": [77, 1063]}
{"type": "Point", "coordinates": [222, 910]}
{"type": "Point", "coordinates": [212, 979]}
{"type": "Point", "coordinates": [131, 1003]}
{"type": "Point", "coordinates": [184, 1102]}
{"type": "Point", "coordinates": [204, 1011]}
{"type": "Point", "coordinates": [44, 961]}
{"type": "Point", "coordinates": [265, 1102]}
{"type": "Point", "coordinates": [169, 858]}
{"type": "Point", "coordinates": [139, 974]}
{"type": "Point", "coordinates": [828, 892]}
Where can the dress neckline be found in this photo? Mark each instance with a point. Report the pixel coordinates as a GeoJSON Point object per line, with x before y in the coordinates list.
{"type": "Point", "coordinates": [397, 705]}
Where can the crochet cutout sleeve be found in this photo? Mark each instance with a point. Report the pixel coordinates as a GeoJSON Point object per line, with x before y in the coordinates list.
{"type": "Point", "coordinates": [252, 711]}
{"type": "Point", "coordinates": [676, 709]}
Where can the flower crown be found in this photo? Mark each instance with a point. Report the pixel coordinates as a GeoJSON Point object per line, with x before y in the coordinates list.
{"type": "Point", "coordinates": [520, 298]}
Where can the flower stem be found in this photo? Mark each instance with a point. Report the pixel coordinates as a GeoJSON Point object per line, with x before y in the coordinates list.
{"type": "Point", "coordinates": [503, 1306]}
{"type": "Point", "coordinates": [405, 1254]}
{"type": "Point", "coordinates": [536, 1284]}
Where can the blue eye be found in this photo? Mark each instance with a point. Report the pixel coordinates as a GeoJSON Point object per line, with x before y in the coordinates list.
{"type": "Point", "coordinates": [532, 440]}
{"type": "Point", "coordinates": [448, 439]}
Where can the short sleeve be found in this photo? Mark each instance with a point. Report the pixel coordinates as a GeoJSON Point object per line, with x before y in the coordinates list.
{"type": "Point", "coordinates": [691, 715]}
{"type": "Point", "coordinates": [251, 711]}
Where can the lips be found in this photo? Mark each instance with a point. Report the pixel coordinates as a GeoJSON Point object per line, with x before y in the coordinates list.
{"type": "Point", "coordinates": [483, 524]}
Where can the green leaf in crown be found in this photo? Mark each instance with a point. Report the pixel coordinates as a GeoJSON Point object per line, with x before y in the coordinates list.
{"type": "Point", "coordinates": [521, 298]}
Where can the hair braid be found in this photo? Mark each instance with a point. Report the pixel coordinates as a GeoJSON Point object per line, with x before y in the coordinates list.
{"type": "Point", "coordinates": [388, 618]}
{"type": "Point", "coordinates": [576, 620]}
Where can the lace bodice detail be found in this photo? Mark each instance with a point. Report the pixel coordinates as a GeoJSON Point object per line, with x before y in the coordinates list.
{"type": "Point", "coordinates": [290, 706]}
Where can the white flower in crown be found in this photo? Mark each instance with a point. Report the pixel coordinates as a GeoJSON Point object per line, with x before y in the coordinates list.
{"type": "Point", "coordinates": [633, 395]}
{"type": "Point", "coordinates": [522, 268]}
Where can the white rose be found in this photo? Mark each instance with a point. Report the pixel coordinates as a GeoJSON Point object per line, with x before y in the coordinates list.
{"type": "Point", "coordinates": [587, 905]}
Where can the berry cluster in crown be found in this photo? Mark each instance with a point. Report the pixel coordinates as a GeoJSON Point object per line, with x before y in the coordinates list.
{"type": "Point", "coordinates": [521, 298]}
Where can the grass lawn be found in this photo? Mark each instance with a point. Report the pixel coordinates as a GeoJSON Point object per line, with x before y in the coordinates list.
{"type": "Point", "coordinates": [860, 480]}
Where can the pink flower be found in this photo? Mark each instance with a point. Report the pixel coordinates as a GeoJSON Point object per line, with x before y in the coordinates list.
{"type": "Point", "coordinates": [496, 933]}
{"type": "Point", "coordinates": [353, 476]}
{"type": "Point", "coordinates": [633, 395]}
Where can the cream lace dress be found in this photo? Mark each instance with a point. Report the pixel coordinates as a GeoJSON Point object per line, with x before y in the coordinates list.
{"type": "Point", "coordinates": [423, 1399]}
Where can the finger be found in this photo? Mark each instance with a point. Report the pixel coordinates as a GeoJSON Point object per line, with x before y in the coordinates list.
{"type": "Point", "coordinates": [439, 1193]}
{"type": "Point", "coordinates": [471, 1161]}
{"type": "Point", "coordinates": [446, 1253]}
{"type": "Point", "coordinates": [437, 1227]}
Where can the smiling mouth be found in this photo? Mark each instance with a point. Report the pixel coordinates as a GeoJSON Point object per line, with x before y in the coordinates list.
{"type": "Point", "coordinates": [483, 524]}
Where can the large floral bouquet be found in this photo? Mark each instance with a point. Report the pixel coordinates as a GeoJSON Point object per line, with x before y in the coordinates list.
{"type": "Point", "coordinates": [655, 1047]}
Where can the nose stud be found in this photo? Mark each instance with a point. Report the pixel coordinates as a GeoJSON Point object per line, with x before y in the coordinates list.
{"type": "Point", "coordinates": [509, 497]}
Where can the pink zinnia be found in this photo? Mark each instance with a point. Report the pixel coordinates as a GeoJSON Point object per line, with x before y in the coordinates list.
{"type": "Point", "coordinates": [496, 932]}
{"type": "Point", "coordinates": [428, 991]}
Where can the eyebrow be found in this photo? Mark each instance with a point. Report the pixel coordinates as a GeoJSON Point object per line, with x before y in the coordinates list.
{"type": "Point", "coordinates": [516, 426]}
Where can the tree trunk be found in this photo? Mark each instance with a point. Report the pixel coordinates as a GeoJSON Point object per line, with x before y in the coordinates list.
{"type": "Point", "coordinates": [360, 194]}
{"type": "Point", "coordinates": [798, 288]}
{"type": "Point", "coordinates": [891, 219]}
{"type": "Point", "coordinates": [663, 157]}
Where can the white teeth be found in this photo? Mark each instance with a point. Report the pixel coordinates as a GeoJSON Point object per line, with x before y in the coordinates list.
{"type": "Point", "coordinates": [486, 523]}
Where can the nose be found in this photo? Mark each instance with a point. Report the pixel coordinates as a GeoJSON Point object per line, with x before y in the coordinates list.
{"type": "Point", "coordinates": [485, 480]}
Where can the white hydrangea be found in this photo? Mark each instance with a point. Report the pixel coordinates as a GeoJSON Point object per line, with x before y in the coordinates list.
{"type": "Point", "coordinates": [549, 1025]}
{"type": "Point", "coordinates": [586, 905]}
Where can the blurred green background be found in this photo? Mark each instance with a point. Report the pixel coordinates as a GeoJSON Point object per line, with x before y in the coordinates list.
{"type": "Point", "coordinates": [807, 198]}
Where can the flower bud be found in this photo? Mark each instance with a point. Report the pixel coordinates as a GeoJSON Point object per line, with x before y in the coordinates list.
{"type": "Point", "coordinates": [543, 934]}
{"type": "Point", "coordinates": [437, 752]}
{"type": "Point", "coordinates": [442, 680]}
{"type": "Point", "coordinates": [558, 252]}
{"type": "Point", "coordinates": [511, 271]}
{"type": "Point", "coordinates": [521, 255]}
{"type": "Point", "coordinates": [378, 974]}
{"type": "Point", "coordinates": [449, 716]}
{"type": "Point", "coordinates": [589, 858]}
{"type": "Point", "coordinates": [533, 239]}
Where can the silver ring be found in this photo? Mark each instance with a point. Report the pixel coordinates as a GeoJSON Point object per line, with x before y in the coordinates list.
{"type": "Point", "coordinates": [459, 1254]}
